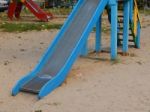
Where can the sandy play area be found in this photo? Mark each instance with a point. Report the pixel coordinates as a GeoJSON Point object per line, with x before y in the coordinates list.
{"type": "Point", "coordinates": [95, 84]}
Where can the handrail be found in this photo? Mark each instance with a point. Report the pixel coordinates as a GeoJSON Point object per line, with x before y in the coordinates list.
{"type": "Point", "coordinates": [136, 16]}
{"type": "Point", "coordinates": [136, 8]}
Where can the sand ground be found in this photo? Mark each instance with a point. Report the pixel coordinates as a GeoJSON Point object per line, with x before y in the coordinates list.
{"type": "Point", "coordinates": [95, 84]}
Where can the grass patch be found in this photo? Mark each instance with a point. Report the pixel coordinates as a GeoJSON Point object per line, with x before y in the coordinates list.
{"type": "Point", "coordinates": [38, 111]}
{"type": "Point", "coordinates": [146, 12]}
{"type": "Point", "coordinates": [59, 11]}
{"type": "Point", "coordinates": [23, 27]}
{"type": "Point", "coordinates": [54, 11]}
{"type": "Point", "coordinates": [3, 16]}
{"type": "Point", "coordinates": [116, 61]}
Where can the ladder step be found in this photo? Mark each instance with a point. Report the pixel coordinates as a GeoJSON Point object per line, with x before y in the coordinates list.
{"type": "Point", "coordinates": [121, 28]}
{"type": "Point", "coordinates": [120, 8]}
{"type": "Point", "coordinates": [130, 34]}
{"type": "Point", "coordinates": [120, 16]}
{"type": "Point", "coordinates": [120, 21]}
{"type": "Point", "coordinates": [122, 34]}
{"type": "Point", "coordinates": [129, 40]}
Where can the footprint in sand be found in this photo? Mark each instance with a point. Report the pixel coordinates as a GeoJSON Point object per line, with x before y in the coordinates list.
{"type": "Point", "coordinates": [19, 37]}
{"type": "Point", "coordinates": [14, 57]}
{"type": "Point", "coordinates": [41, 43]}
{"type": "Point", "coordinates": [6, 63]}
{"type": "Point", "coordinates": [22, 50]}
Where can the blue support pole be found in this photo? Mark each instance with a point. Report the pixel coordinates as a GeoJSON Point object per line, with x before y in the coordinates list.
{"type": "Point", "coordinates": [98, 35]}
{"type": "Point", "coordinates": [126, 26]}
{"type": "Point", "coordinates": [84, 50]}
{"type": "Point", "coordinates": [138, 35]}
{"type": "Point", "coordinates": [114, 30]}
{"type": "Point", "coordinates": [131, 10]}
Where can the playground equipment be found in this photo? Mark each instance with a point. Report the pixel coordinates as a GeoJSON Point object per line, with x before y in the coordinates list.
{"type": "Point", "coordinates": [15, 8]}
{"type": "Point", "coordinates": [133, 28]}
{"type": "Point", "coordinates": [71, 42]}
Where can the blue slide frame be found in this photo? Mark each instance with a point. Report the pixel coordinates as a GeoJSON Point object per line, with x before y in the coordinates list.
{"type": "Point", "coordinates": [60, 77]}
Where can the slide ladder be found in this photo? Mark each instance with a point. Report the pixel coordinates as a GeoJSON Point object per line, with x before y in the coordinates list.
{"type": "Point", "coordinates": [133, 24]}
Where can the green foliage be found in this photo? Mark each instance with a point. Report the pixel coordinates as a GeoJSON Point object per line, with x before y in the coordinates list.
{"type": "Point", "coordinates": [147, 12]}
{"type": "Point", "coordinates": [38, 110]}
{"type": "Point", "coordinates": [59, 11]}
{"type": "Point", "coordinates": [22, 27]}
{"type": "Point", "coordinates": [116, 61]}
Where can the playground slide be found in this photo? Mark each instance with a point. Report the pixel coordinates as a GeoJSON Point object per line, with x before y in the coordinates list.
{"type": "Point", "coordinates": [36, 10]}
{"type": "Point", "coordinates": [64, 50]}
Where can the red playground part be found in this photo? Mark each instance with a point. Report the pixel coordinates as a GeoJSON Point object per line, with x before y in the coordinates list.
{"type": "Point", "coordinates": [18, 10]}
{"type": "Point", "coordinates": [15, 9]}
{"type": "Point", "coordinates": [11, 10]}
{"type": "Point", "coordinates": [36, 10]}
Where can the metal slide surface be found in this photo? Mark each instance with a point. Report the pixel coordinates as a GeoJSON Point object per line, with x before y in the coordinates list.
{"type": "Point", "coordinates": [64, 47]}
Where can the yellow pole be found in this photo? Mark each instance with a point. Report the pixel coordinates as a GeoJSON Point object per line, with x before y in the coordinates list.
{"type": "Point", "coordinates": [135, 20]}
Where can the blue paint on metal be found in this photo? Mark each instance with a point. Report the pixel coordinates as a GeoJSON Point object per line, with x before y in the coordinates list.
{"type": "Point", "coordinates": [114, 31]}
{"type": "Point", "coordinates": [112, 2]}
{"type": "Point", "coordinates": [131, 10]}
{"type": "Point", "coordinates": [82, 43]}
{"type": "Point", "coordinates": [49, 51]}
{"type": "Point", "coordinates": [98, 35]}
{"type": "Point", "coordinates": [59, 78]}
{"type": "Point", "coordinates": [84, 50]}
{"type": "Point", "coordinates": [138, 38]}
{"type": "Point", "coordinates": [56, 81]}
{"type": "Point", "coordinates": [126, 26]}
